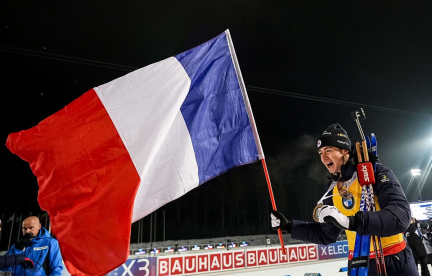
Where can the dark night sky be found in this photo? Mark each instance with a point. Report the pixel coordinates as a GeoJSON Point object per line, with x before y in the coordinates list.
{"type": "Point", "coordinates": [359, 52]}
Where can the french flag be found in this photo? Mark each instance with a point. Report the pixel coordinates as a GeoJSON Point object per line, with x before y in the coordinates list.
{"type": "Point", "coordinates": [126, 148]}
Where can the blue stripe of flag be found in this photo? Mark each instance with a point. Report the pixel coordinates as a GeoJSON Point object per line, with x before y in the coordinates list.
{"type": "Point", "coordinates": [214, 110]}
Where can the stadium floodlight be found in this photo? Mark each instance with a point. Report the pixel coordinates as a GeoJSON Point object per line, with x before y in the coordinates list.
{"type": "Point", "coordinates": [415, 172]}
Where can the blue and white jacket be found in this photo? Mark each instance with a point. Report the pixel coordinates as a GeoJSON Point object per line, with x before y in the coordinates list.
{"type": "Point", "coordinates": [44, 251]}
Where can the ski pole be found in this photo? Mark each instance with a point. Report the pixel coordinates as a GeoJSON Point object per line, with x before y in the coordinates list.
{"type": "Point", "coordinates": [366, 174]}
{"type": "Point", "coordinates": [378, 254]}
{"type": "Point", "coordinates": [374, 152]}
{"type": "Point", "coordinates": [360, 260]}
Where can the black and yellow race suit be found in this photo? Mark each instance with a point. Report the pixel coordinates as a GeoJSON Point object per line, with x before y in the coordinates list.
{"type": "Point", "coordinates": [390, 220]}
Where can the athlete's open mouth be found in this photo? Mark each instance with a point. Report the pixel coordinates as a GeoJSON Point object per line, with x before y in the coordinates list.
{"type": "Point", "coordinates": [329, 165]}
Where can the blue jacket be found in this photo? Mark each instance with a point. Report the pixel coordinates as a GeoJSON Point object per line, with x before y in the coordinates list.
{"type": "Point", "coordinates": [393, 218]}
{"type": "Point", "coordinates": [44, 251]}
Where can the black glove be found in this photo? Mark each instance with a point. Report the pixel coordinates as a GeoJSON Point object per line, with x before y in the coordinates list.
{"type": "Point", "coordinates": [27, 263]}
{"type": "Point", "coordinates": [279, 221]}
{"type": "Point", "coordinates": [25, 239]}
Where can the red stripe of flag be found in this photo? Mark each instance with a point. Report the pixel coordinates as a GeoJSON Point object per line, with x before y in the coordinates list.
{"type": "Point", "coordinates": [79, 159]}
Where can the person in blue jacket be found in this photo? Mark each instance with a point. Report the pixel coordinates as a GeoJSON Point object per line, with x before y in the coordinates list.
{"type": "Point", "coordinates": [12, 260]}
{"type": "Point", "coordinates": [37, 245]}
{"type": "Point", "coordinates": [338, 209]}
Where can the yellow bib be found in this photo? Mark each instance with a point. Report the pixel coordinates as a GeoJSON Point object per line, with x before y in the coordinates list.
{"type": "Point", "coordinates": [350, 208]}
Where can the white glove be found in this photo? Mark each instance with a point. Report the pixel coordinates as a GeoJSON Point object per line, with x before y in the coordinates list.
{"type": "Point", "coordinates": [279, 221]}
{"type": "Point", "coordinates": [331, 214]}
{"type": "Point", "coordinates": [275, 222]}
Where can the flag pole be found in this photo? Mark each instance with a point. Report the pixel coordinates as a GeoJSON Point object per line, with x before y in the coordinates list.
{"type": "Point", "coordinates": [273, 201]}
{"type": "Point", "coordinates": [254, 128]}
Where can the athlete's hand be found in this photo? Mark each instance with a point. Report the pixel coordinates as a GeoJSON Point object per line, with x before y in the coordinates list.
{"type": "Point", "coordinates": [331, 214]}
{"type": "Point", "coordinates": [279, 221]}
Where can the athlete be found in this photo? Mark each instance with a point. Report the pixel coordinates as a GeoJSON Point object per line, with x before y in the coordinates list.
{"type": "Point", "coordinates": [339, 208]}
